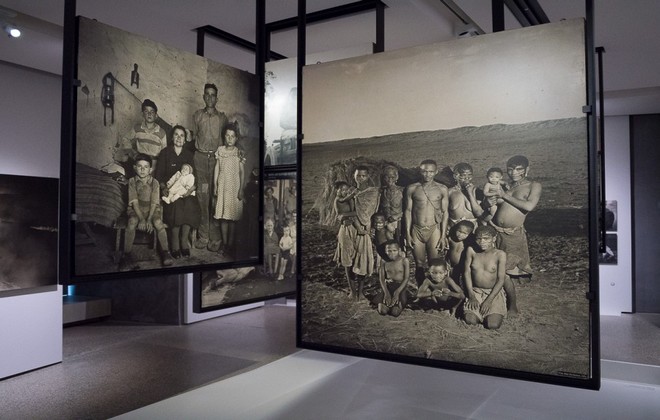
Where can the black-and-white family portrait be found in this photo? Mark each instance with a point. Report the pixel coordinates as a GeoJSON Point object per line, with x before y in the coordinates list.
{"type": "Point", "coordinates": [167, 145]}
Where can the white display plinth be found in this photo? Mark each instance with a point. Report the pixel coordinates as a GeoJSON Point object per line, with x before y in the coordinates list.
{"type": "Point", "coordinates": [30, 331]}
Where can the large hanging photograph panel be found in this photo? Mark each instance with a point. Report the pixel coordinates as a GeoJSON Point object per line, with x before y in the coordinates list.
{"type": "Point", "coordinates": [445, 209]}
{"type": "Point", "coordinates": [276, 277]}
{"type": "Point", "coordinates": [28, 232]}
{"type": "Point", "coordinates": [166, 142]}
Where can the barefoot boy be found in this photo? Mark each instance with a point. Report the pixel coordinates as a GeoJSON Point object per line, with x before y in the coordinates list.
{"type": "Point", "coordinates": [460, 238]}
{"type": "Point", "coordinates": [393, 275]}
{"type": "Point", "coordinates": [286, 246]}
{"type": "Point", "coordinates": [144, 210]}
{"type": "Point", "coordinates": [271, 248]}
{"type": "Point", "coordinates": [426, 217]}
{"type": "Point", "coordinates": [380, 235]}
{"type": "Point", "coordinates": [440, 287]}
{"type": "Point", "coordinates": [484, 275]}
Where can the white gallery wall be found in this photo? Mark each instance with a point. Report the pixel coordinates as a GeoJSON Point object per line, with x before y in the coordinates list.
{"type": "Point", "coordinates": [30, 121]}
{"type": "Point", "coordinates": [31, 322]}
{"type": "Point", "coordinates": [616, 280]}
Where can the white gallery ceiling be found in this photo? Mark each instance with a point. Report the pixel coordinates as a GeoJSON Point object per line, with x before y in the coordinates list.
{"type": "Point", "coordinates": [628, 30]}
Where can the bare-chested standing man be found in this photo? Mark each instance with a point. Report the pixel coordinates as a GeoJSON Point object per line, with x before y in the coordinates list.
{"type": "Point", "coordinates": [521, 198]}
{"type": "Point", "coordinates": [426, 217]}
{"type": "Point", "coordinates": [463, 204]}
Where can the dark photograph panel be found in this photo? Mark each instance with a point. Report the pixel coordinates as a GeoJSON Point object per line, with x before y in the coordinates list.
{"type": "Point", "coordinates": [611, 216]}
{"type": "Point", "coordinates": [445, 207]}
{"type": "Point", "coordinates": [167, 144]}
{"type": "Point", "coordinates": [28, 232]}
{"type": "Point", "coordinates": [609, 256]}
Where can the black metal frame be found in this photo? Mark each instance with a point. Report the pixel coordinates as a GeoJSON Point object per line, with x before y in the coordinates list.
{"type": "Point", "coordinates": [68, 130]}
{"type": "Point", "coordinates": [218, 33]}
{"type": "Point", "coordinates": [601, 142]}
{"type": "Point", "coordinates": [345, 10]}
{"type": "Point", "coordinates": [592, 295]}
{"type": "Point", "coordinates": [350, 9]}
{"type": "Point", "coordinates": [526, 12]}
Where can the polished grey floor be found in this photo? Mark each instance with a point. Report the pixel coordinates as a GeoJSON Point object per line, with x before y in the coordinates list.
{"type": "Point", "coordinates": [633, 338]}
{"type": "Point", "coordinates": [111, 368]}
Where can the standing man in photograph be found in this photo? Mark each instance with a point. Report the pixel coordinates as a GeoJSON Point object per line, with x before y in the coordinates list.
{"type": "Point", "coordinates": [208, 124]}
{"type": "Point", "coordinates": [426, 217]}
{"type": "Point", "coordinates": [521, 198]}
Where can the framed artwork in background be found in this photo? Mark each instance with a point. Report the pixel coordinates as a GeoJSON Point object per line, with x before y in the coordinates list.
{"type": "Point", "coordinates": [28, 233]}
{"type": "Point", "coordinates": [276, 277]}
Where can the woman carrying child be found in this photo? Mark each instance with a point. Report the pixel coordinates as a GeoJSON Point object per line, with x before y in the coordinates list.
{"type": "Point", "coordinates": [182, 214]}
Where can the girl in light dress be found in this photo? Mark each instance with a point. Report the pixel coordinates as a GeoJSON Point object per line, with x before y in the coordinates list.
{"type": "Point", "coordinates": [229, 178]}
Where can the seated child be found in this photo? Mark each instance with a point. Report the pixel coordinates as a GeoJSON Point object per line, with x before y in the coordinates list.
{"type": "Point", "coordinates": [493, 188]}
{"type": "Point", "coordinates": [144, 210]}
{"type": "Point", "coordinates": [180, 183]}
{"type": "Point", "coordinates": [286, 247]}
{"type": "Point", "coordinates": [485, 270]}
{"type": "Point", "coordinates": [440, 287]}
{"type": "Point", "coordinates": [393, 274]}
{"type": "Point", "coordinates": [271, 247]}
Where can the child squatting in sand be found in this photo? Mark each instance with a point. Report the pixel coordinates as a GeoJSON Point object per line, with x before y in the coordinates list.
{"type": "Point", "coordinates": [439, 287]}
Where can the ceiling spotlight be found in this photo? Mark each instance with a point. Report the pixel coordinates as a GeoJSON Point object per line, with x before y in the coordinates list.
{"type": "Point", "coordinates": [12, 31]}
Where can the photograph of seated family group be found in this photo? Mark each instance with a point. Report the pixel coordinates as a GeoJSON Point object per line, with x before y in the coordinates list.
{"type": "Point", "coordinates": [167, 158]}
{"type": "Point", "coordinates": [446, 208]}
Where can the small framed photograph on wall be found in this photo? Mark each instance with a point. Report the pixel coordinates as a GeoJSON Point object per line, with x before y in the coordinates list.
{"type": "Point", "coordinates": [28, 232]}
{"type": "Point", "coordinates": [611, 216]}
{"type": "Point", "coordinates": [609, 256]}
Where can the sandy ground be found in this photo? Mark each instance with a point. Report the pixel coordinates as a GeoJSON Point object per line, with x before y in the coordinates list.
{"type": "Point", "coordinates": [551, 333]}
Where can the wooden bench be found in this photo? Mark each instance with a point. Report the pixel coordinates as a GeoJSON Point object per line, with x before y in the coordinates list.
{"type": "Point", "coordinates": [141, 237]}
